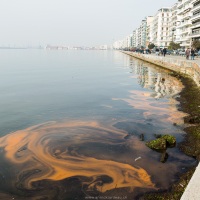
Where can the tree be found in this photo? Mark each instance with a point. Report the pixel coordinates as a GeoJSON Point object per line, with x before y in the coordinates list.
{"type": "Point", "coordinates": [196, 44]}
{"type": "Point", "coordinates": [151, 45]}
{"type": "Point", "coordinates": [174, 46]}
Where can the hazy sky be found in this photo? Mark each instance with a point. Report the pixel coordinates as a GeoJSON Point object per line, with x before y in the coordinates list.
{"type": "Point", "coordinates": [72, 22]}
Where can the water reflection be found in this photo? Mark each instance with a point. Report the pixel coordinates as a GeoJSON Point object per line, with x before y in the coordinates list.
{"type": "Point", "coordinates": [157, 84]}
{"type": "Point", "coordinates": [97, 152]}
{"type": "Point", "coordinates": [156, 79]}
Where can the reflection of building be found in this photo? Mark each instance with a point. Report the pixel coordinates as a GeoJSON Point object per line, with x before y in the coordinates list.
{"type": "Point", "coordinates": [156, 80]}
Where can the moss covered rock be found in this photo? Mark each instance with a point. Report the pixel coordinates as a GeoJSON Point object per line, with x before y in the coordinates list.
{"type": "Point", "coordinates": [162, 142]}
{"type": "Point", "coordinates": [158, 144]}
{"type": "Point", "coordinates": [170, 140]}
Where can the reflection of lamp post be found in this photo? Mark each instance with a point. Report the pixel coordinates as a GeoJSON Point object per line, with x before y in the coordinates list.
{"type": "Point", "coordinates": [173, 34]}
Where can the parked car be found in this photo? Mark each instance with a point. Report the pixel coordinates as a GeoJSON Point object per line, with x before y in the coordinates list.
{"type": "Point", "coordinates": [169, 52]}
{"type": "Point", "coordinates": [181, 53]}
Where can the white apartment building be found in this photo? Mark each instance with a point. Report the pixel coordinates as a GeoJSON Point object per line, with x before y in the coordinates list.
{"type": "Point", "coordinates": [143, 30]}
{"type": "Point", "coordinates": [180, 24]}
{"type": "Point", "coordinates": [126, 43]}
{"type": "Point", "coordinates": [184, 15]}
{"type": "Point", "coordinates": [118, 44]}
{"type": "Point", "coordinates": [149, 23]}
{"type": "Point", "coordinates": [195, 19]}
{"type": "Point", "coordinates": [135, 38]}
{"type": "Point", "coordinates": [141, 34]}
{"type": "Point", "coordinates": [173, 31]}
{"type": "Point", "coordinates": [160, 33]}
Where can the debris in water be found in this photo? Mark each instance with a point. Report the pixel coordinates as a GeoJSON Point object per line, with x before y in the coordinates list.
{"type": "Point", "coordinates": [138, 158]}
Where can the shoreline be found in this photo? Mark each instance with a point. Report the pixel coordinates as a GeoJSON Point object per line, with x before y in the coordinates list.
{"type": "Point", "coordinates": [191, 144]}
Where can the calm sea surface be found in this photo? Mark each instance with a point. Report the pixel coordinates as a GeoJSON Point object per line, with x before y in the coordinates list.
{"type": "Point", "coordinates": [71, 121]}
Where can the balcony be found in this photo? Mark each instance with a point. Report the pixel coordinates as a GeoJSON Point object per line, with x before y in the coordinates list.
{"type": "Point", "coordinates": [184, 39]}
{"type": "Point", "coordinates": [196, 25]}
{"type": "Point", "coordinates": [184, 9]}
{"type": "Point", "coordinates": [186, 23]}
{"type": "Point", "coordinates": [195, 17]}
{"type": "Point", "coordinates": [195, 34]}
{"type": "Point", "coordinates": [194, 1]}
{"type": "Point", "coordinates": [187, 16]}
{"type": "Point", "coordinates": [195, 8]}
{"type": "Point", "coordinates": [184, 31]}
{"type": "Point", "coordinates": [185, 44]}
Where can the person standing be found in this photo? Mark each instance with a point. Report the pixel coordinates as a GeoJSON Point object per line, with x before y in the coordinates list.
{"type": "Point", "coordinates": [164, 52]}
{"type": "Point", "coordinates": [192, 54]}
{"type": "Point", "coordinates": [157, 51]}
{"type": "Point", "coordinates": [187, 53]}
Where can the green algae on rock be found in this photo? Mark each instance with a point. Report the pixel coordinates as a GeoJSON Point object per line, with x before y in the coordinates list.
{"type": "Point", "coordinates": [158, 144]}
{"type": "Point", "coordinates": [171, 140]}
{"type": "Point", "coordinates": [162, 143]}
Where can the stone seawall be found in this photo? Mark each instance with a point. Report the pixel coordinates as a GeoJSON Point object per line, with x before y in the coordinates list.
{"type": "Point", "coordinates": [184, 67]}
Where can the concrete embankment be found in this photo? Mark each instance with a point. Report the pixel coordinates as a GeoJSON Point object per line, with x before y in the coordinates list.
{"type": "Point", "coordinates": [184, 67]}
{"type": "Point", "coordinates": [191, 69]}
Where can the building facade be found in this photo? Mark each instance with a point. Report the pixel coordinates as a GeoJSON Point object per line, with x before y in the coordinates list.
{"type": "Point", "coordinates": [195, 20]}
{"type": "Point", "coordinates": [184, 15]}
{"type": "Point", "coordinates": [160, 31]}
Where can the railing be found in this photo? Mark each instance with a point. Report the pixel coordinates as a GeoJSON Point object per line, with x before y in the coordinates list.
{"type": "Point", "coordinates": [184, 9]}
{"type": "Point", "coordinates": [184, 23]}
{"type": "Point", "coordinates": [195, 24]}
{"type": "Point", "coordinates": [195, 15]}
{"type": "Point", "coordinates": [196, 33]}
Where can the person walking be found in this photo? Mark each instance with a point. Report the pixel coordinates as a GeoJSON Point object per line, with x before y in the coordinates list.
{"type": "Point", "coordinates": [164, 52]}
{"type": "Point", "coordinates": [157, 51]}
{"type": "Point", "coordinates": [187, 53]}
{"type": "Point", "coordinates": [192, 54]}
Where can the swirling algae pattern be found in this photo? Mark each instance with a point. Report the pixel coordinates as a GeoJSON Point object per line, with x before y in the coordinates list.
{"type": "Point", "coordinates": [52, 148]}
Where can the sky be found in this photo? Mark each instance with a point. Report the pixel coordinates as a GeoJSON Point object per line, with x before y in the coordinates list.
{"type": "Point", "coordinates": [72, 22]}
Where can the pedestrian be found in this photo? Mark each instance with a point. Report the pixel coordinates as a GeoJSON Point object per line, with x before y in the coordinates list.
{"type": "Point", "coordinates": [192, 54]}
{"type": "Point", "coordinates": [164, 51]}
{"type": "Point", "coordinates": [187, 53]}
{"type": "Point", "coordinates": [161, 51]}
{"type": "Point", "coordinates": [199, 53]}
{"type": "Point", "coordinates": [157, 51]}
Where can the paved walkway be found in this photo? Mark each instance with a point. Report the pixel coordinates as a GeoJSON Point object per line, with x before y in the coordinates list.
{"type": "Point", "coordinates": [192, 191]}
{"type": "Point", "coordinates": [197, 59]}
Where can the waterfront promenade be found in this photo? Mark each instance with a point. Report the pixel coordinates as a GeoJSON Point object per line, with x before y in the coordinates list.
{"type": "Point", "coordinates": [175, 63]}
{"type": "Point", "coordinates": [191, 68]}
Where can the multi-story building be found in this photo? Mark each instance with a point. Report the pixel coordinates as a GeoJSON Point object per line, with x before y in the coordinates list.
{"type": "Point", "coordinates": [173, 31]}
{"type": "Point", "coordinates": [143, 26]}
{"type": "Point", "coordinates": [180, 24]}
{"type": "Point", "coordinates": [135, 38]}
{"type": "Point", "coordinates": [160, 28]}
{"type": "Point", "coordinates": [184, 15]}
{"type": "Point", "coordinates": [195, 19]}
{"type": "Point", "coordinates": [149, 21]}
